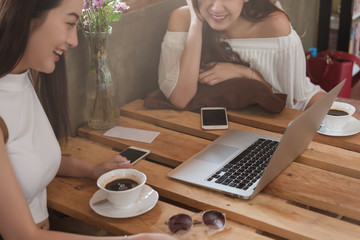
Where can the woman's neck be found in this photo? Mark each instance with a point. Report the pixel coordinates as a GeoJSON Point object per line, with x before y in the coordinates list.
{"type": "Point", "coordinates": [273, 26]}
{"type": "Point", "coordinates": [239, 29]}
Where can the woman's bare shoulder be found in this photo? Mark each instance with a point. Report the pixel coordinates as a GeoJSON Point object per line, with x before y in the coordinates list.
{"type": "Point", "coordinates": [179, 20]}
{"type": "Point", "coordinates": [276, 25]}
{"type": "Point", "coordinates": [279, 24]}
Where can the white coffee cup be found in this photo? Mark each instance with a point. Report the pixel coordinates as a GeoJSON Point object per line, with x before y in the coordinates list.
{"type": "Point", "coordinates": [122, 198]}
{"type": "Point", "coordinates": [337, 122]}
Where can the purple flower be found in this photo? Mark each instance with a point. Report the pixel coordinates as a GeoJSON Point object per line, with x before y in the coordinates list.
{"type": "Point", "coordinates": [95, 8]}
{"type": "Point", "coordinates": [98, 3]}
{"type": "Point", "coordinates": [121, 5]}
{"type": "Point", "coordinates": [86, 25]}
{"type": "Point", "coordinates": [86, 4]}
{"type": "Point", "coordinates": [98, 14]}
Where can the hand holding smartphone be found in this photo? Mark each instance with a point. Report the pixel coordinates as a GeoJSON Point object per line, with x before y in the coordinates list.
{"type": "Point", "coordinates": [134, 154]}
{"type": "Point", "coordinates": [213, 118]}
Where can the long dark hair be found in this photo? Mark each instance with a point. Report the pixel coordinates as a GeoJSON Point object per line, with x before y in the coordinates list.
{"type": "Point", "coordinates": [215, 50]}
{"type": "Point", "coordinates": [51, 88]}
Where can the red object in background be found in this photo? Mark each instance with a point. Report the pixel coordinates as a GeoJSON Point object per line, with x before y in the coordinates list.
{"type": "Point", "coordinates": [328, 69]}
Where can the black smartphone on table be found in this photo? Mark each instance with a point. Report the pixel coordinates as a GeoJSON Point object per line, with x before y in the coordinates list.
{"type": "Point", "coordinates": [134, 154]}
{"type": "Point", "coordinates": [213, 118]}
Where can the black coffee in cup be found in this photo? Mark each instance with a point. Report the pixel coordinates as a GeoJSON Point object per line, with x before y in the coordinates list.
{"type": "Point", "coordinates": [337, 112]}
{"type": "Point", "coordinates": [121, 184]}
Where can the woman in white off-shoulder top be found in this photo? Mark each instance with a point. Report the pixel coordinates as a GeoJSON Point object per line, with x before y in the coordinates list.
{"type": "Point", "coordinates": [261, 45]}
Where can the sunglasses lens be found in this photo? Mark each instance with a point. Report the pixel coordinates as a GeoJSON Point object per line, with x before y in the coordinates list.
{"type": "Point", "coordinates": [180, 222]}
{"type": "Point", "coordinates": [214, 219]}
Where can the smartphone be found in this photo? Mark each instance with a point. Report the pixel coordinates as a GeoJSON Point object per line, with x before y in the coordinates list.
{"type": "Point", "coordinates": [213, 118]}
{"type": "Point", "coordinates": [134, 154]}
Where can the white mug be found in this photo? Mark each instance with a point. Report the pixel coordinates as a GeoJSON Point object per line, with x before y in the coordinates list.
{"type": "Point", "coordinates": [337, 123]}
{"type": "Point", "coordinates": [122, 198]}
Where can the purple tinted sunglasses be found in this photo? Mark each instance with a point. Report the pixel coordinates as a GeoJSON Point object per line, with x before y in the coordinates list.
{"type": "Point", "coordinates": [213, 219]}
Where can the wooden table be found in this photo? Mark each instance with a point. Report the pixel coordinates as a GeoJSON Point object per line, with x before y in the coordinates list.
{"type": "Point", "coordinates": [316, 197]}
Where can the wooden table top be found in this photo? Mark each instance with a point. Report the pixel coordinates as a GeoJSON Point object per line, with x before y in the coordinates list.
{"type": "Point", "coordinates": [316, 197]}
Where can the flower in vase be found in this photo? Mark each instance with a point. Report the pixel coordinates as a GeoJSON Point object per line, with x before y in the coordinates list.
{"type": "Point", "coordinates": [101, 96]}
{"type": "Point", "coordinates": [98, 14]}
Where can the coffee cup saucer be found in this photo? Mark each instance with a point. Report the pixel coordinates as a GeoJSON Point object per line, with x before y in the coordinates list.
{"type": "Point", "coordinates": [147, 200]}
{"type": "Point", "coordinates": [351, 128]}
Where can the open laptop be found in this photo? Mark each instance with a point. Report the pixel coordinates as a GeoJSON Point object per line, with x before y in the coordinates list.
{"type": "Point", "coordinates": [242, 163]}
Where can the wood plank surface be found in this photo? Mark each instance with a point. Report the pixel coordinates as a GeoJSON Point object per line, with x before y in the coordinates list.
{"type": "Point", "coordinates": [254, 117]}
{"type": "Point", "coordinates": [71, 196]}
{"type": "Point", "coordinates": [169, 147]}
{"type": "Point", "coordinates": [172, 148]}
{"type": "Point", "coordinates": [309, 200]}
{"type": "Point", "coordinates": [267, 211]}
{"type": "Point", "coordinates": [314, 191]}
{"type": "Point", "coordinates": [317, 188]}
{"type": "Point", "coordinates": [318, 155]}
{"type": "Point", "coordinates": [181, 121]}
{"type": "Point", "coordinates": [74, 201]}
{"type": "Point", "coordinates": [332, 159]}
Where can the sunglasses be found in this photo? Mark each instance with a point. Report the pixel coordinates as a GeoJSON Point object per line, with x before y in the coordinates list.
{"type": "Point", "coordinates": [212, 219]}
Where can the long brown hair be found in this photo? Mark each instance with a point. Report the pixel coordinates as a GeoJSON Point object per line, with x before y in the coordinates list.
{"type": "Point", "coordinates": [215, 50]}
{"type": "Point", "coordinates": [51, 88]}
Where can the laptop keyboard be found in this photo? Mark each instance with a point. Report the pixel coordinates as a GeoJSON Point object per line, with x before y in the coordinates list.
{"type": "Point", "coordinates": [246, 168]}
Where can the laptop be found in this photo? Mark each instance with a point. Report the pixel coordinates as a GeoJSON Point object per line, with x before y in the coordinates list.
{"type": "Point", "coordinates": [241, 163]}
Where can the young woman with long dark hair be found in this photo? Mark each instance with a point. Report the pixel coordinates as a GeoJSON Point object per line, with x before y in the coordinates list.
{"type": "Point", "coordinates": [211, 41]}
{"type": "Point", "coordinates": [34, 35]}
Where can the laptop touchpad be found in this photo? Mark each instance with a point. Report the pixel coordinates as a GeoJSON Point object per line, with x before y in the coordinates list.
{"type": "Point", "coordinates": [217, 153]}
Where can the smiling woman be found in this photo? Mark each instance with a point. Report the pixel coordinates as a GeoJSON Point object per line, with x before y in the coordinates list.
{"type": "Point", "coordinates": [60, 29]}
{"type": "Point", "coordinates": [212, 41]}
{"type": "Point", "coordinates": [31, 69]}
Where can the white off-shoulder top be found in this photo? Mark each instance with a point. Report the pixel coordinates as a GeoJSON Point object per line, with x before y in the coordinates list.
{"type": "Point", "coordinates": [281, 61]}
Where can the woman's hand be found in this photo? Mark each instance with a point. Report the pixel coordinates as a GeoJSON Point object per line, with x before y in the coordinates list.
{"type": "Point", "coordinates": [114, 163]}
{"type": "Point", "coordinates": [194, 15]}
{"type": "Point", "coordinates": [222, 72]}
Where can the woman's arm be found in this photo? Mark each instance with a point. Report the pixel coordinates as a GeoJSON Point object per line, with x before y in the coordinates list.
{"type": "Point", "coordinates": [223, 71]}
{"type": "Point", "coordinates": [185, 20]}
{"type": "Point", "coordinates": [16, 221]}
{"type": "Point", "coordinates": [13, 201]}
{"type": "Point", "coordinates": [276, 25]}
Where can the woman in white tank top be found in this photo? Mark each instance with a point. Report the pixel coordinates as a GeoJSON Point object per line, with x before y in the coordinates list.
{"type": "Point", "coordinates": [34, 35]}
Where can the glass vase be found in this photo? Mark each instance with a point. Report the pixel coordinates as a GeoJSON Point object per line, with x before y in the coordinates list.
{"type": "Point", "coordinates": [101, 95]}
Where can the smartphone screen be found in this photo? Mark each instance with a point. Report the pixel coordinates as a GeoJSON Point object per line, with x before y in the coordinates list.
{"type": "Point", "coordinates": [134, 154]}
{"type": "Point", "coordinates": [214, 118]}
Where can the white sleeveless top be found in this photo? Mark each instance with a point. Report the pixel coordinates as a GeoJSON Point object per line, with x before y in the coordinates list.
{"type": "Point", "coordinates": [281, 61]}
{"type": "Point", "coordinates": [32, 147]}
